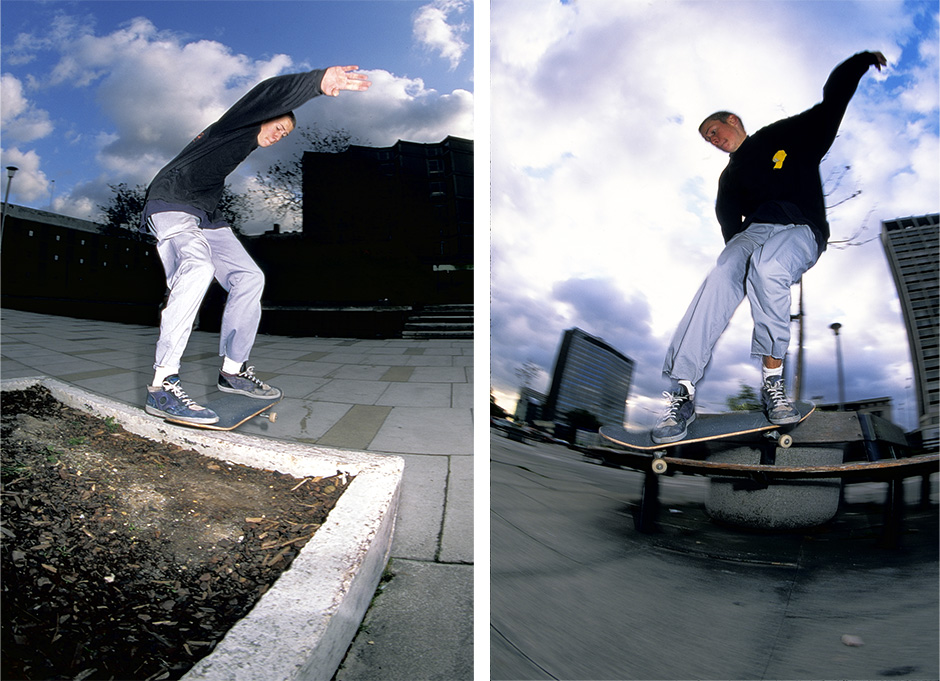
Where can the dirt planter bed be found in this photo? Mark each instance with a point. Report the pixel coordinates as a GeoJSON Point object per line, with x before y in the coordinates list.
{"type": "Point", "coordinates": [302, 626]}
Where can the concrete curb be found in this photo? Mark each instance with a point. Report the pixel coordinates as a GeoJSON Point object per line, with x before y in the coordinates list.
{"type": "Point", "coordinates": [780, 504]}
{"type": "Point", "coordinates": [301, 628]}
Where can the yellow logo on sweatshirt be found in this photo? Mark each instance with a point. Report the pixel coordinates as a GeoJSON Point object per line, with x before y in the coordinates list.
{"type": "Point", "coordinates": [779, 158]}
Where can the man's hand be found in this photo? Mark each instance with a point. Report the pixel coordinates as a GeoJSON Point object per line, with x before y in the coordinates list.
{"type": "Point", "coordinates": [339, 78]}
{"type": "Point", "coordinates": [880, 60]}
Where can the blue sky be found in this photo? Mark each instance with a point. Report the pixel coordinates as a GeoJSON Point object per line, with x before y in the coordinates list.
{"type": "Point", "coordinates": [603, 192]}
{"type": "Point", "coordinates": [102, 92]}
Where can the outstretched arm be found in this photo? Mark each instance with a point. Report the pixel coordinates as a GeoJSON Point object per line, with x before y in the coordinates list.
{"type": "Point", "coordinates": [339, 78]}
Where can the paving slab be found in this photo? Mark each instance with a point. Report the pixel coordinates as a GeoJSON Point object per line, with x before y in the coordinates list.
{"type": "Point", "coordinates": [386, 651]}
{"type": "Point", "coordinates": [435, 510]}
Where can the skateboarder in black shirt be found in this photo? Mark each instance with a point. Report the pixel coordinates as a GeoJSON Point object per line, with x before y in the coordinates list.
{"type": "Point", "coordinates": [773, 218]}
{"type": "Point", "coordinates": [196, 245]}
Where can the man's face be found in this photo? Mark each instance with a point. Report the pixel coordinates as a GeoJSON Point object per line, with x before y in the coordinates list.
{"type": "Point", "coordinates": [726, 136]}
{"type": "Point", "coordinates": [274, 131]}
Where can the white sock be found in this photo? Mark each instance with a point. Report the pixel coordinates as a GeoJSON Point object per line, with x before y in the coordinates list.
{"type": "Point", "coordinates": [688, 386]}
{"type": "Point", "coordinates": [767, 373]}
{"type": "Point", "coordinates": [230, 366]}
{"type": "Point", "coordinates": [160, 373]}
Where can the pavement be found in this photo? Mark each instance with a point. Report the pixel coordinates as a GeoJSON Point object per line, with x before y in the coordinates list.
{"type": "Point", "coordinates": [410, 398]}
{"type": "Point", "coordinates": [578, 593]}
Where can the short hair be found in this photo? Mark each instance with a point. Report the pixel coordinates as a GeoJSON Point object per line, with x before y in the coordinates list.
{"type": "Point", "coordinates": [289, 114]}
{"type": "Point", "coordinates": [719, 116]}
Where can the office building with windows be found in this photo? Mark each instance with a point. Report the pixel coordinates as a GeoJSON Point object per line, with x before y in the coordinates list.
{"type": "Point", "coordinates": [912, 246]}
{"type": "Point", "coordinates": [589, 375]}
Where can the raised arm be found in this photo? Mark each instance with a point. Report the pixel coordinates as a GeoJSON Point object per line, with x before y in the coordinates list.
{"type": "Point", "coordinates": [339, 78]}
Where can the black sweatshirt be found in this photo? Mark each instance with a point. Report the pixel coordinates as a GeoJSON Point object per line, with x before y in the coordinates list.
{"type": "Point", "coordinates": [193, 181]}
{"type": "Point", "coordinates": [773, 177]}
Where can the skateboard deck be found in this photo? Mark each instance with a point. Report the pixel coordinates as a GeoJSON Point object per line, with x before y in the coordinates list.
{"type": "Point", "coordinates": [234, 410]}
{"type": "Point", "coordinates": [852, 470]}
{"type": "Point", "coordinates": [708, 427]}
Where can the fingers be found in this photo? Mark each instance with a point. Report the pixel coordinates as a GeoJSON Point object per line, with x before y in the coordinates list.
{"type": "Point", "coordinates": [339, 78]}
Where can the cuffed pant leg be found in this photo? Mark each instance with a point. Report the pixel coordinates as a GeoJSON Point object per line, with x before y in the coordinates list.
{"type": "Point", "coordinates": [710, 311]}
{"type": "Point", "coordinates": [187, 262]}
{"type": "Point", "coordinates": [238, 274]}
{"type": "Point", "coordinates": [780, 262]}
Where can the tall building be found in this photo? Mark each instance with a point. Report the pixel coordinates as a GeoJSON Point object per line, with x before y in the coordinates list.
{"type": "Point", "coordinates": [410, 197]}
{"type": "Point", "coordinates": [912, 246]}
{"type": "Point", "coordinates": [591, 375]}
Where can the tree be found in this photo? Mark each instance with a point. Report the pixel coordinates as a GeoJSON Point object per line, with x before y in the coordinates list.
{"type": "Point", "coordinates": [745, 400]}
{"type": "Point", "coordinates": [527, 373]}
{"type": "Point", "coordinates": [121, 215]}
{"type": "Point", "coordinates": [581, 419]}
{"type": "Point", "coordinates": [282, 186]}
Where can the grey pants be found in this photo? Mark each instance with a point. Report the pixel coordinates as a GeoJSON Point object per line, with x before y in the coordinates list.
{"type": "Point", "coordinates": [761, 263]}
{"type": "Point", "coordinates": [191, 258]}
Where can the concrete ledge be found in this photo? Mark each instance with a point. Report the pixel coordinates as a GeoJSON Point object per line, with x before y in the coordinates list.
{"type": "Point", "coordinates": [790, 503]}
{"type": "Point", "coordinates": [301, 628]}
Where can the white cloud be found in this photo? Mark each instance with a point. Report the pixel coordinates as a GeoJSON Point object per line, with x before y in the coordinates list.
{"type": "Point", "coordinates": [598, 170]}
{"type": "Point", "coordinates": [434, 28]}
{"type": "Point", "coordinates": [29, 183]}
{"type": "Point", "coordinates": [22, 121]}
{"type": "Point", "coordinates": [154, 90]}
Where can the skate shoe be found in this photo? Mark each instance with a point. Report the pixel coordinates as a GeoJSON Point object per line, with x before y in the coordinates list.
{"type": "Point", "coordinates": [673, 425]}
{"type": "Point", "coordinates": [246, 383]}
{"type": "Point", "coordinates": [171, 401]}
{"type": "Point", "coordinates": [777, 406]}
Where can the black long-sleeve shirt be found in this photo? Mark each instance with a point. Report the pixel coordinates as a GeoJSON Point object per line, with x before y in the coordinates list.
{"type": "Point", "coordinates": [193, 181]}
{"type": "Point", "coordinates": [773, 177]}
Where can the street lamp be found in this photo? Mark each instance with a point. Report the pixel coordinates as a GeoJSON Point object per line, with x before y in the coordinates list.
{"type": "Point", "coordinates": [835, 329]}
{"type": "Point", "coordinates": [11, 171]}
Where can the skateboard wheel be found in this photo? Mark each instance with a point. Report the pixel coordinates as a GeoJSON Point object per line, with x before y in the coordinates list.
{"type": "Point", "coordinates": [785, 441]}
{"type": "Point", "coordinates": [659, 466]}
{"type": "Point", "coordinates": [272, 416]}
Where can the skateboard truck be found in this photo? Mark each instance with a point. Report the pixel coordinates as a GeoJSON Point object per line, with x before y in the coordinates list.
{"type": "Point", "coordinates": [783, 440]}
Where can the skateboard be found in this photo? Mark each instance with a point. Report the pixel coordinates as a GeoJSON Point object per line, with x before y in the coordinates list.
{"type": "Point", "coordinates": [234, 410]}
{"type": "Point", "coordinates": [708, 427]}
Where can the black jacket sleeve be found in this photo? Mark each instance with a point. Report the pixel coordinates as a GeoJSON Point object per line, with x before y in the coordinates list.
{"type": "Point", "coordinates": [837, 93]}
{"type": "Point", "coordinates": [272, 98]}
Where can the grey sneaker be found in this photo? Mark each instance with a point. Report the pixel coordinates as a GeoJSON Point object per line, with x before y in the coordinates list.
{"type": "Point", "coordinates": [171, 401]}
{"type": "Point", "coordinates": [673, 425]}
{"type": "Point", "coordinates": [777, 406]}
{"type": "Point", "coordinates": [246, 383]}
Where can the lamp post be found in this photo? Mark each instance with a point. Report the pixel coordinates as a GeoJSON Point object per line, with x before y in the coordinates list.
{"type": "Point", "coordinates": [835, 329]}
{"type": "Point", "coordinates": [11, 171]}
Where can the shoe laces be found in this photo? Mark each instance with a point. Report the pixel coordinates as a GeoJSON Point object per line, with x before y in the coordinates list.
{"type": "Point", "coordinates": [249, 374]}
{"type": "Point", "coordinates": [777, 393]}
{"type": "Point", "coordinates": [180, 394]}
{"type": "Point", "coordinates": [676, 400]}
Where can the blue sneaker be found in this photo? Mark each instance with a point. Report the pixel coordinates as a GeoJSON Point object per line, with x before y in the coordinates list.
{"type": "Point", "coordinates": [777, 406]}
{"type": "Point", "coordinates": [171, 401]}
{"type": "Point", "coordinates": [246, 383]}
{"type": "Point", "coordinates": [673, 425]}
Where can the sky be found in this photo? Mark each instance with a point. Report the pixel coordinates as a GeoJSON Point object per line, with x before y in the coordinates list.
{"type": "Point", "coordinates": [97, 93]}
{"type": "Point", "coordinates": [602, 202]}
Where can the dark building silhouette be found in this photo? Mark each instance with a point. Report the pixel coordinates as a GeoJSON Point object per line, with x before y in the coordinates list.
{"type": "Point", "coordinates": [912, 246]}
{"type": "Point", "coordinates": [591, 375]}
{"type": "Point", "coordinates": [408, 198]}
{"type": "Point", "coordinates": [55, 264]}
{"type": "Point", "coordinates": [529, 405]}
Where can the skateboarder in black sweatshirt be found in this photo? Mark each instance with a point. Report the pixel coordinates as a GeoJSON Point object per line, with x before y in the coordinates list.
{"type": "Point", "coordinates": [195, 244]}
{"type": "Point", "coordinates": [773, 218]}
